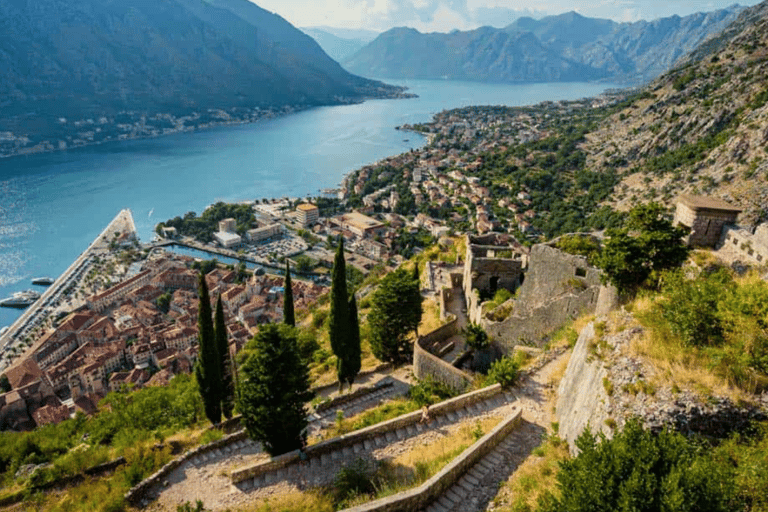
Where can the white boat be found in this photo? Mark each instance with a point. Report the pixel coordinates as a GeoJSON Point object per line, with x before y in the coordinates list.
{"type": "Point", "coordinates": [44, 281]}
{"type": "Point", "coordinates": [20, 299]}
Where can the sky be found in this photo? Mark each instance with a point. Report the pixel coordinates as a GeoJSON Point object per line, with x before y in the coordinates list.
{"type": "Point", "coordinates": [447, 15]}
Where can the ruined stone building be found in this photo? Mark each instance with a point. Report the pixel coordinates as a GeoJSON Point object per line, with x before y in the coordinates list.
{"type": "Point", "coordinates": [705, 217]}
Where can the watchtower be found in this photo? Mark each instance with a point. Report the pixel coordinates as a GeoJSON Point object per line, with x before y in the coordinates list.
{"type": "Point", "coordinates": [705, 216]}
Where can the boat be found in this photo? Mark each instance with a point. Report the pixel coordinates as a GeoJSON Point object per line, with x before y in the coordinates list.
{"type": "Point", "coordinates": [43, 281]}
{"type": "Point", "coordinates": [20, 299]}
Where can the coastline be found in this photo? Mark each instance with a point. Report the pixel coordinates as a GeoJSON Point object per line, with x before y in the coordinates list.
{"type": "Point", "coordinates": [250, 116]}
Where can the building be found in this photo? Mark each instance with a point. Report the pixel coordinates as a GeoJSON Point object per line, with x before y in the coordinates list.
{"type": "Point", "coordinates": [264, 233]}
{"type": "Point", "coordinates": [705, 217]}
{"type": "Point", "coordinates": [362, 225]}
{"type": "Point", "coordinates": [228, 240]}
{"type": "Point", "coordinates": [227, 226]}
{"type": "Point", "coordinates": [308, 213]}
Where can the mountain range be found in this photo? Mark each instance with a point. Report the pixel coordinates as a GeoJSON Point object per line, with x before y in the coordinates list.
{"type": "Point", "coordinates": [567, 47]}
{"type": "Point", "coordinates": [65, 59]}
{"type": "Point", "coordinates": [340, 44]}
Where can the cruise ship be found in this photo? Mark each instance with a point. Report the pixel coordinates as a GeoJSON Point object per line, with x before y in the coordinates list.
{"type": "Point", "coordinates": [20, 299]}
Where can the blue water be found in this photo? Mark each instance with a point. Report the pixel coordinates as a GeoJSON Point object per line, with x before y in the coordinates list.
{"type": "Point", "coordinates": [53, 205]}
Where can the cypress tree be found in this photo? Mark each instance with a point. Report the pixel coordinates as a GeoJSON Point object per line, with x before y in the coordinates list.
{"type": "Point", "coordinates": [208, 367]}
{"type": "Point", "coordinates": [222, 348]}
{"type": "Point", "coordinates": [338, 324]}
{"type": "Point", "coordinates": [289, 318]}
{"type": "Point", "coordinates": [350, 365]}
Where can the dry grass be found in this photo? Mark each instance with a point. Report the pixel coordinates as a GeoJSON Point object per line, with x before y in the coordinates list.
{"type": "Point", "coordinates": [430, 320]}
{"type": "Point", "coordinates": [678, 366]}
{"type": "Point", "coordinates": [310, 501]}
{"type": "Point", "coordinates": [558, 372]}
{"type": "Point", "coordinates": [534, 478]}
{"type": "Point", "coordinates": [466, 435]}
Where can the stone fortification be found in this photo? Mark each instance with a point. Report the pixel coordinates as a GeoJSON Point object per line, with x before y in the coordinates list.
{"type": "Point", "coordinates": [558, 287]}
{"type": "Point", "coordinates": [426, 364]}
{"type": "Point", "coordinates": [752, 247]}
{"type": "Point", "coordinates": [582, 401]}
{"type": "Point", "coordinates": [705, 217]}
{"type": "Point", "coordinates": [492, 262]}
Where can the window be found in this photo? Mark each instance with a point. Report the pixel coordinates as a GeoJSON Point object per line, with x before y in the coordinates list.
{"type": "Point", "coordinates": [581, 272]}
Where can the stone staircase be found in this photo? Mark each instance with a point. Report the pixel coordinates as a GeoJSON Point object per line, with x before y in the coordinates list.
{"type": "Point", "coordinates": [325, 459]}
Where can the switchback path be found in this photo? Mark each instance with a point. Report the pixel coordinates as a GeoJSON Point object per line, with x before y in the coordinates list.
{"type": "Point", "coordinates": [206, 478]}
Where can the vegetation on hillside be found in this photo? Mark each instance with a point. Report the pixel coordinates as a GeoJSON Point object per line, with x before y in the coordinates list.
{"type": "Point", "coordinates": [639, 470]}
{"type": "Point", "coordinates": [203, 227]}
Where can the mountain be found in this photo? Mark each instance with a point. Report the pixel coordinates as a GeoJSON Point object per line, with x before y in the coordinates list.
{"type": "Point", "coordinates": [556, 48]}
{"type": "Point", "coordinates": [93, 58]}
{"type": "Point", "coordinates": [701, 128]}
{"type": "Point", "coordinates": [337, 47]}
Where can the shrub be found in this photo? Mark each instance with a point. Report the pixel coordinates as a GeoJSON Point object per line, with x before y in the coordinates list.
{"type": "Point", "coordinates": [430, 391]}
{"type": "Point", "coordinates": [504, 371]}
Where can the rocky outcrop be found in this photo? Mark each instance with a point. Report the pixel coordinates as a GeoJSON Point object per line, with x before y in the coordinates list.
{"type": "Point", "coordinates": [603, 387]}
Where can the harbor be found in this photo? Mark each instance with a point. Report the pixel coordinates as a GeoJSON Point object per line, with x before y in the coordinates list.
{"type": "Point", "coordinates": [14, 338]}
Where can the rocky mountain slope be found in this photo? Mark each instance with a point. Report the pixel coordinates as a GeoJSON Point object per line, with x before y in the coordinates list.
{"type": "Point", "coordinates": [556, 48]}
{"type": "Point", "coordinates": [701, 128]}
{"type": "Point", "coordinates": [91, 58]}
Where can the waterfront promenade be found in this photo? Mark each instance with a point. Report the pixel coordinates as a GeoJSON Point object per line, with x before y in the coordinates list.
{"type": "Point", "coordinates": [14, 338]}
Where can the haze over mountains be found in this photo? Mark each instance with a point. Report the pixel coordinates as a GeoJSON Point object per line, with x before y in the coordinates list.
{"type": "Point", "coordinates": [567, 47]}
{"type": "Point", "coordinates": [65, 59]}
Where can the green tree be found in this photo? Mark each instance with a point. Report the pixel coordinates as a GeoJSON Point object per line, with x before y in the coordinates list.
{"type": "Point", "coordinates": [476, 336]}
{"type": "Point", "coordinates": [339, 319]}
{"type": "Point", "coordinates": [225, 361]}
{"type": "Point", "coordinates": [639, 471]}
{"type": "Point", "coordinates": [273, 388]}
{"type": "Point", "coordinates": [289, 318]}
{"type": "Point", "coordinates": [5, 385]}
{"type": "Point", "coordinates": [208, 366]}
{"type": "Point", "coordinates": [349, 367]}
{"type": "Point", "coordinates": [395, 313]}
{"type": "Point", "coordinates": [635, 255]}
{"type": "Point", "coordinates": [164, 302]}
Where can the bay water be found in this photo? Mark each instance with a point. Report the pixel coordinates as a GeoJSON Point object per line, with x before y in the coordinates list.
{"type": "Point", "coordinates": [53, 205]}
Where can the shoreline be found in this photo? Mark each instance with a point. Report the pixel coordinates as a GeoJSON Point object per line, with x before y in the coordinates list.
{"type": "Point", "coordinates": [47, 146]}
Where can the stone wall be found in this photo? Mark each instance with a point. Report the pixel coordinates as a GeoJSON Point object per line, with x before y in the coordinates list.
{"type": "Point", "coordinates": [420, 497]}
{"type": "Point", "coordinates": [581, 397]}
{"type": "Point", "coordinates": [426, 364]}
{"type": "Point", "coordinates": [138, 494]}
{"type": "Point", "coordinates": [753, 248]}
{"type": "Point", "coordinates": [353, 438]}
{"type": "Point", "coordinates": [558, 288]}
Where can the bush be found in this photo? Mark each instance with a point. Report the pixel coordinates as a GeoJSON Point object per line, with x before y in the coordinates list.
{"type": "Point", "coordinates": [641, 471]}
{"type": "Point", "coordinates": [430, 391]}
{"type": "Point", "coordinates": [503, 371]}
{"type": "Point", "coordinates": [353, 480]}
{"type": "Point", "coordinates": [476, 337]}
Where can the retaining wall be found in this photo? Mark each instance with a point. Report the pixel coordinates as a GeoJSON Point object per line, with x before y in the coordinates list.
{"type": "Point", "coordinates": [432, 489]}
{"type": "Point", "coordinates": [426, 364]}
{"type": "Point", "coordinates": [353, 438]}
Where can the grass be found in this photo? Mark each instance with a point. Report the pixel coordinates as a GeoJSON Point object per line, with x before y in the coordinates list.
{"type": "Point", "coordinates": [418, 465]}
{"type": "Point", "coordinates": [430, 320]}
{"type": "Point", "coordinates": [534, 478]}
{"type": "Point", "coordinates": [678, 366]}
{"type": "Point", "coordinates": [384, 412]}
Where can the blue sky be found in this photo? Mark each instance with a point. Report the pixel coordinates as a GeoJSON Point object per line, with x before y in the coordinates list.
{"type": "Point", "coordinates": [446, 15]}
